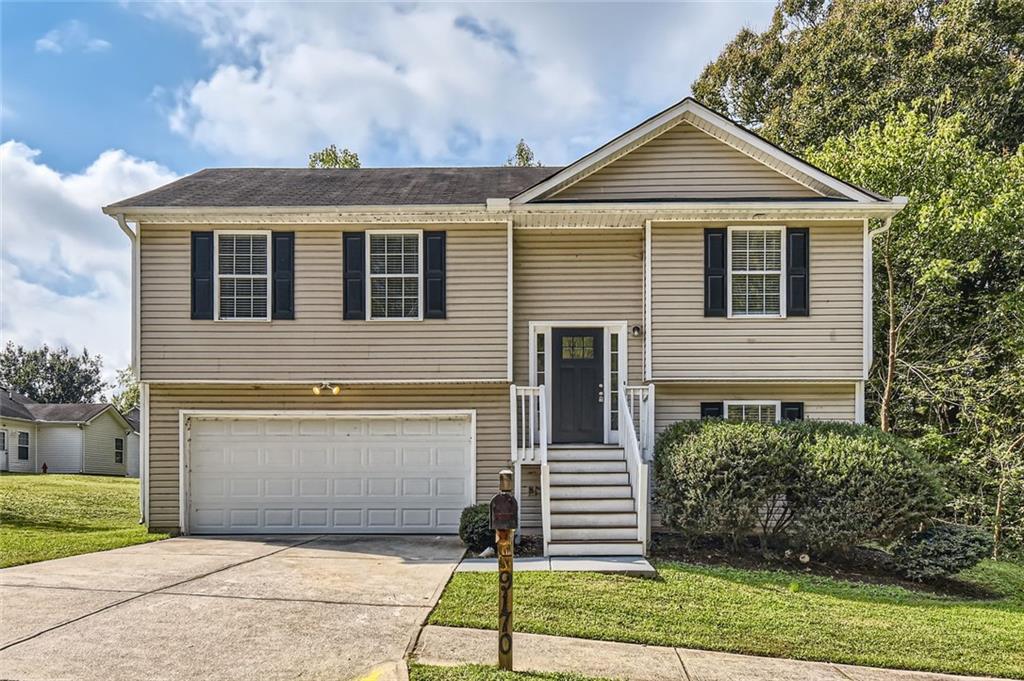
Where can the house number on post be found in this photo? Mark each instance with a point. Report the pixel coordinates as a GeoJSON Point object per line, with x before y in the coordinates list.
{"type": "Point", "coordinates": [504, 519]}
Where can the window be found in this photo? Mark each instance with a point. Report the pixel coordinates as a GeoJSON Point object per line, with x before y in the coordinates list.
{"type": "Point", "coordinates": [243, 275]}
{"type": "Point", "coordinates": [613, 379]}
{"type": "Point", "coordinates": [3, 440]}
{"type": "Point", "coordinates": [756, 262]}
{"type": "Point", "coordinates": [577, 347]}
{"type": "Point", "coordinates": [22, 446]}
{"type": "Point", "coordinates": [540, 359]}
{"type": "Point", "coordinates": [118, 450]}
{"type": "Point", "coordinates": [761, 412]}
{"type": "Point", "coordinates": [394, 275]}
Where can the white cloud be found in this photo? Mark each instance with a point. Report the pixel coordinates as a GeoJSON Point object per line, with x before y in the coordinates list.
{"type": "Point", "coordinates": [70, 36]}
{"type": "Point", "coordinates": [435, 83]}
{"type": "Point", "coordinates": [65, 276]}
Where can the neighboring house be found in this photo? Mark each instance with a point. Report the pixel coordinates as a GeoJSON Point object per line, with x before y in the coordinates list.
{"type": "Point", "coordinates": [362, 350]}
{"type": "Point", "coordinates": [132, 460]}
{"type": "Point", "coordinates": [67, 438]}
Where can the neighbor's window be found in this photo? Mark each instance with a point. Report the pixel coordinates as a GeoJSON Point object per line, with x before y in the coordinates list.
{"type": "Point", "coordinates": [759, 412]}
{"type": "Point", "coordinates": [118, 450]}
{"type": "Point", "coordinates": [394, 276]}
{"type": "Point", "coordinates": [3, 440]}
{"type": "Point", "coordinates": [22, 446]}
{"type": "Point", "coordinates": [243, 276]}
{"type": "Point", "coordinates": [755, 272]}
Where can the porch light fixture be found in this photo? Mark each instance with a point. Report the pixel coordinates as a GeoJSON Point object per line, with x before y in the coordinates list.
{"type": "Point", "coordinates": [636, 331]}
{"type": "Point", "coordinates": [325, 386]}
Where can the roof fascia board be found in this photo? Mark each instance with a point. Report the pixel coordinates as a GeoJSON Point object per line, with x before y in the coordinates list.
{"type": "Point", "coordinates": [130, 211]}
{"type": "Point", "coordinates": [673, 115]}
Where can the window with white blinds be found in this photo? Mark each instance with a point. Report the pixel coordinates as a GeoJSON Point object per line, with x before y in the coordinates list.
{"type": "Point", "coordinates": [243, 276]}
{"type": "Point", "coordinates": [756, 263]}
{"type": "Point", "coordinates": [758, 412]}
{"type": "Point", "coordinates": [395, 267]}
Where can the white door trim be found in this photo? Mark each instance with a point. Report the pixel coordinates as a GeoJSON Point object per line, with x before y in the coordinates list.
{"type": "Point", "coordinates": [610, 393]}
{"type": "Point", "coordinates": [185, 416]}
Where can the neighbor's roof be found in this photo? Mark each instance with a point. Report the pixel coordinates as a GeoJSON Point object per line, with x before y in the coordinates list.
{"type": "Point", "coordinates": [17, 406]}
{"type": "Point", "coordinates": [133, 419]}
{"type": "Point", "coordinates": [254, 187]}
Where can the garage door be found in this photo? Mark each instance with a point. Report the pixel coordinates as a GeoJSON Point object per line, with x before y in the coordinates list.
{"type": "Point", "coordinates": [338, 474]}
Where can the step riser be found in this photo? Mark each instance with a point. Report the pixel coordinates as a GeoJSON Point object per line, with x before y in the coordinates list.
{"type": "Point", "coordinates": [596, 549]}
{"type": "Point", "coordinates": [587, 466]}
{"type": "Point", "coordinates": [591, 492]}
{"type": "Point", "coordinates": [586, 455]}
{"type": "Point", "coordinates": [618, 520]}
{"type": "Point", "coordinates": [558, 479]}
{"type": "Point", "coordinates": [592, 506]}
{"type": "Point", "coordinates": [588, 534]}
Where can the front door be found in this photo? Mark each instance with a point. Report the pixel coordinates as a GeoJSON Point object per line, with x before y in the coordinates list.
{"type": "Point", "coordinates": [577, 365]}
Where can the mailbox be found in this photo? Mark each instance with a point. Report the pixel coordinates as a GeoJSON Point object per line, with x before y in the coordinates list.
{"type": "Point", "coordinates": [504, 507]}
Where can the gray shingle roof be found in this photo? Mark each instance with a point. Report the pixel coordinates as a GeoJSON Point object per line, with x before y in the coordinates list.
{"type": "Point", "coordinates": [133, 418]}
{"type": "Point", "coordinates": [248, 187]}
{"type": "Point", "coordinates": [17, 406]}
{"type": "Point", "coordinates": [14, 405]}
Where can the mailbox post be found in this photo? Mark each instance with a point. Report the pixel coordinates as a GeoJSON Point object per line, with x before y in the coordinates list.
{"type": "Point", "coordinates": [504, 520]}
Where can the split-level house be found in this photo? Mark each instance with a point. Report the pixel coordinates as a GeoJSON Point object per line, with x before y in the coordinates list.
{"type": "Point", "coordinates": [363, 350]}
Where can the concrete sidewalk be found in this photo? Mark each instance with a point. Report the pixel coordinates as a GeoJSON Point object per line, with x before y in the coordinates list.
{"type": "Point", "coordinates": [534, 652]}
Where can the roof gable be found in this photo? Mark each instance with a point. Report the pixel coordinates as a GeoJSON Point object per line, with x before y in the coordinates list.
{"type": "Point", "coordinates": [687, 152]}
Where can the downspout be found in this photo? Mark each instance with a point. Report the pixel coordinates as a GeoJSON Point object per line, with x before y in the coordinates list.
{"type": "Point", "coordinates": [869, 310]}
{"type": "Point", "coordinates": [133, 236]}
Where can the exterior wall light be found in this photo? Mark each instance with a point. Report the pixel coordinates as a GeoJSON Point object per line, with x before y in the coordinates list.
{"type": "Point", "coordinates": [325, 386]}
{"type": "Point", "coordinates": [636, 331]}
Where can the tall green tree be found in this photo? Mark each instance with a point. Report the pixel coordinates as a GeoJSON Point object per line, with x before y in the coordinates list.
{"type": "Point", "coordinates": [522, 156]}
{"type": "Point", "coordinates": [51, 375]}
{"type": "Point", "coordinates": [127, 396]}
{"type": "Point", "coordinates": [330, 157]}
{"type": "Point", "coordinates": [823, 69]}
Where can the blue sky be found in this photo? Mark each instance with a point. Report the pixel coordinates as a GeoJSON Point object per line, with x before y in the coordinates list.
{"type": "Point", "coordinates": [105, 100]}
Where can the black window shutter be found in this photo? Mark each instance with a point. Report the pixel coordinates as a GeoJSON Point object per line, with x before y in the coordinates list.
{"type": "Point", "coordinates": [354, 262]}
{"type": "Point", "coordinates": [202, 275]}
{"type": "Point", "coordinates": [283, 247]}
{"type": "Point", "coordinates": [712, 410]}
{"type": "Point", "coordinates": [798, 272]}
{"type": "Point", "coordinates": [434, 296]}
{"type": "Point", "coordinates": [792, 411]}
{"type": "Point", "coordinates": [716, 285]}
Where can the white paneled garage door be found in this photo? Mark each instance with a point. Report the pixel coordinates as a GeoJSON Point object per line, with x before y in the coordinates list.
{"type": "Point", "coordinates": [395, 473]}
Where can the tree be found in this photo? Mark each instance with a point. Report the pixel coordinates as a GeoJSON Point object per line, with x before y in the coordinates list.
{"type": "Point", "coordinates": [523, 156]}
{"type": "Point", "coordinates": [51, 375]}
{"type": "Point", "coordinates": [127, 398]}
{"type": "Point", "coordinates": [823, 69]}
{"type": "Point", "coordinates": [330, 157]}
{"type": "Point", "coordinates": [949, 294]}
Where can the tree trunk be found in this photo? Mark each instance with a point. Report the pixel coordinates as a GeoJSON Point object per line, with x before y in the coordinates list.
{"type": "Point", "coordinates": [885, 408]}
{"type": "Point", "coordinates": [997, 521]}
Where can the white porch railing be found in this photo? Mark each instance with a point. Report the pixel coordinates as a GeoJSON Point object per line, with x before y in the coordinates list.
{"type": "Point", "coordinates": [635, 463]}
{"type": "Point", "coordinates": [529, 425]}
{"type": "Point", "coordinates": [640, 399]}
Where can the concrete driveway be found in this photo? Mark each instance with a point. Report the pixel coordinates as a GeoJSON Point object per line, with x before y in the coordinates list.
{"type": "Point", "coordinates": [309, 607]}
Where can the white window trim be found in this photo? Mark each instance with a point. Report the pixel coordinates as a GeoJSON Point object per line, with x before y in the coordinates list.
{"type": "Point", "coordinates": [750, 403]}
{"type": "Point", "coordinates": [369, 277]}
{"type": "Point", "coordinates": [216, 275]}
{"type": "Point", "coordinates": [782, 271]}
{"type": "Point", "coordinates": [619, 327]}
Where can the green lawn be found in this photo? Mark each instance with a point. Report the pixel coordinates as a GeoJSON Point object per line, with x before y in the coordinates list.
{"type": "Point", "coordinates": [474, 672]}
{"type": "Point", "coordinates": [764, 612]}
{"type": "Point", "coordinates": [52, 516]}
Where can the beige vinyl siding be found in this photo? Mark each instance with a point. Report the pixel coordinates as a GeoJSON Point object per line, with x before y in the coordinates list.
{"type": "Point", "coordinates": [826, 345]}
{"type": "Point", "coordinates": [577, 275]}
{"type": "Point", "coordinates": [822, 401]}
{"type": "Point", "coordinates": [491, 403]}
{"type": "Point", "coordinates": [99, 445]}
{"type": "Point", "coordinates": [13, 427]}
{"type": "Point", "coordinates": [685, 163]}
{"type": "Point", "coordinates": [60, 448]}
{"type": "Point", "coordinates": [318, 344]}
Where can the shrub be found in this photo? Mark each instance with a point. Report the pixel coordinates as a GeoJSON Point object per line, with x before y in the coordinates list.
{"type": "Point", "coordinates": [940, 551]}
{"type": "Point", "coordinates": [724, 479]}
{"type": "Point", "coordinates": [475, 527]}
{"type": "Point", "coordinates": [861, 485]}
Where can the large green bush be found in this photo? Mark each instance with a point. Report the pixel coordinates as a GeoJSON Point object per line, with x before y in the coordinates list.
{"type": "Point", "coordinates": [941, 550]}
{"type": "Point", "coordinates": [475, 527]}
{"type": "Point", "coordinates": [825, 486]}
{"type": "Point", "coordinates": [722, 479]}
{"type": "Point", "coordinates": [860, 487]}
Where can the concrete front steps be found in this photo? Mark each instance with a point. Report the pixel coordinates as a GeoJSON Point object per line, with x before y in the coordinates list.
{"type": "Point", "coordinates": [593, 512]}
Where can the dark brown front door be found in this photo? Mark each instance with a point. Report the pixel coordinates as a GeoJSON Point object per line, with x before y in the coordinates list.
{"type": "Point", "coordinates": [577, 365]}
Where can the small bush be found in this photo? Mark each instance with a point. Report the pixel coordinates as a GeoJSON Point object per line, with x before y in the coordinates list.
{"type": "Point", "coordinates": [940, 551]}
{"type": "Point", "coordinates": [862, 486]}
{"type": "Point", "coordinates": [475, 527]}
{"type": "Point", "coordinates": [722, 479]}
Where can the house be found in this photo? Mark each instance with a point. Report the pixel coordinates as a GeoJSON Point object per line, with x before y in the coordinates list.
{"type": "Point", "coordinates": [362, 350]}
{"type": "Point", "coordinates": [66, 438]}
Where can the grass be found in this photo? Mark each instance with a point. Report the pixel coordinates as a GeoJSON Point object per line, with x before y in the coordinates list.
{"type": "Point", "coordinates": [475, 672]}
{"type": "Point", "coordinates": [765, 612]}
{"type": "Point", "coordinates": [53, 516]}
